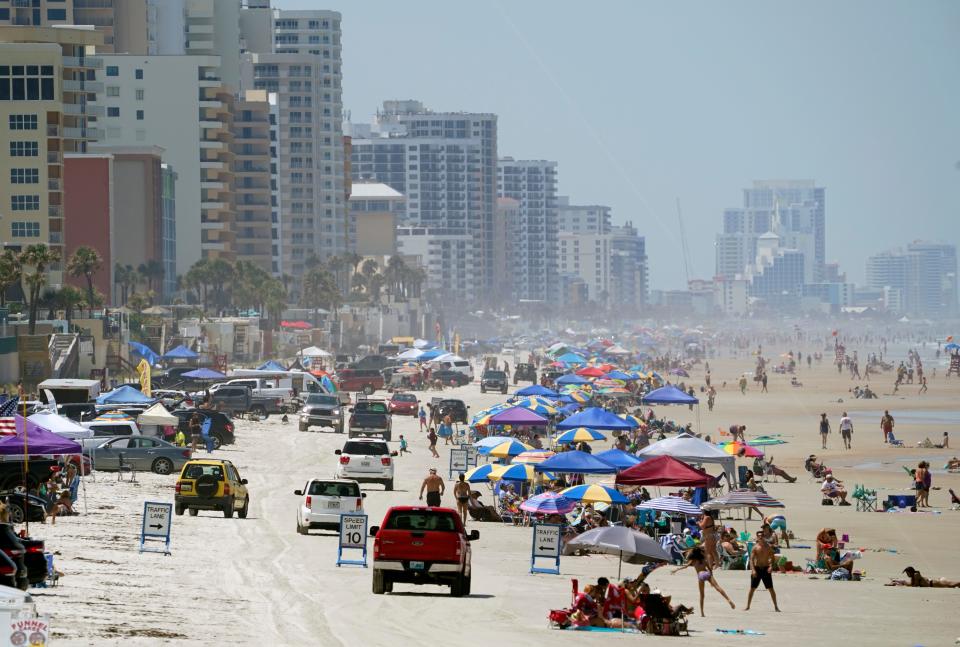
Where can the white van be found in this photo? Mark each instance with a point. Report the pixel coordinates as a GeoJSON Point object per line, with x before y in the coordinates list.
{"type": "Point", "coordinates": [456, 364]}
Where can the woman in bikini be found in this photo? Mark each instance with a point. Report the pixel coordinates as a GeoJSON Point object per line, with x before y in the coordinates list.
{"type": "Point", "coordinates": [918, 580]}
{"type": "Point", "coordinates": [708, 530]}
{"type": "Point", "coordinates": [698, 561]}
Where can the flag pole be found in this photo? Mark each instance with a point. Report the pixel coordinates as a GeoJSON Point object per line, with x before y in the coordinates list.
{"type": "Point", "coordinates": [26, 461]}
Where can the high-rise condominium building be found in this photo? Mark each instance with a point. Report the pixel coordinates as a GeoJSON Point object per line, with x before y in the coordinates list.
{"type": "Point", "coordinates": [304, 70]}
{"type": "Point", "coordinates": [46, 86]}
{"type": "Point", "coordinates": [582, 218]}
{"type": "Point", "coordinates": [445, 163]}
{"type": "Point", "coordinates": [253, 178]}
{"type": "Point", "coordinates": [534, 262]}
{"type": "Point", "coordinates": [123, 23]}
{"type": "Point", "coordinates": [922, 279]}
{"type": "Point", "coordinates": [198, 28]}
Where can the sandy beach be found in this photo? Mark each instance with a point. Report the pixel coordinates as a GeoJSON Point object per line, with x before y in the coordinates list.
{"type": "Point", "coordinates": [257, 582]}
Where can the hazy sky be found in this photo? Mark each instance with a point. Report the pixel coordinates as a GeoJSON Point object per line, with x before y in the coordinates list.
{"type": "Point", "coordinates": [642, 103]}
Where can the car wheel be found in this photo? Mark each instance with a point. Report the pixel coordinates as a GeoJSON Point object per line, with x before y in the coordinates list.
{"type": "Point", "coordinates": [387, 583]}
{"type": "Point", "coordinates": [482, 390]}
{"type": "Point", "coordinates": [388, 485]}
{"type": "Point", "coordinates": [242, 512]}
{"type": "Point", "coordinates": [217, 441]}
{"type": "Point", "coordinates": [162, 466]}
{"type": "Point", "coordinates": [193, 512]}
{"type": "Point", "coordinates": [259, 410]}
{"type": "Point", "coordinates": [179, 510]}
{"type": "Point", "coordinates": [16, 512]}
{"type": "Point", "coordinates": [304, 427]}
{"type": "Point", "coordinates": [300, 529]}
{"type": "Point", "coordinates": [466, 585]}
{"type": "Point", "coordinates": [456, 587]}
{"type": "Point", "coordinates": [368, 389]}
{"type": "Point", "coordinates": [387, 437]}
{"type": "Point", "coordinates": [228, 510]}
{"type": "Point", "coordinates": [379, 587]}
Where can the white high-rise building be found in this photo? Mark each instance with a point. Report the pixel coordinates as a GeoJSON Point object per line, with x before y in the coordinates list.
{"type": "Point", "coordinates": [581, 218]}
{"type": "Point", "coordinates": [921, 280]}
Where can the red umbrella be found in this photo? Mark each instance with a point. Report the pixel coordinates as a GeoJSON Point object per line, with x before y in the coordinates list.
{"type": "Point", "coordinates": [591, 371]}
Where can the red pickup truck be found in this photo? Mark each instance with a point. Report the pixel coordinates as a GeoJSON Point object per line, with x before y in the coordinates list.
{"type": "Point", "coordinates": [421, 545]}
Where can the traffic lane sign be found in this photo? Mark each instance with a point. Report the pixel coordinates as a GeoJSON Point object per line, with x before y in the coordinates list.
{"type": "Point", "coordinates": [156, 519]}
{"type": "Point", "coordinates": [546, 540]}
{"type": "Point", "coordinates": [353, 531]}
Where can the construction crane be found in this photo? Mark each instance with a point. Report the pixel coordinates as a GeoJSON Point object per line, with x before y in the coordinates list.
{"type": "Point", "coordinates": [683, 244]}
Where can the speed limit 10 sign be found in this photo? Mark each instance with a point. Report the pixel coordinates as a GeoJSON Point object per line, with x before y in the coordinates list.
{"type": "Point", "coordinates": [353, 535]}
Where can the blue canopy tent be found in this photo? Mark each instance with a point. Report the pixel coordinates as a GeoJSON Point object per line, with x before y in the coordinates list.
{"type": "Point", "coordinates": [669, 394]}
{"type": "Point", "coordinates": [204, 374]}
{"type": "Point", "coordinates": [125, 394]}
{"type": "Point", "coordinates": [144, 351]}
{"type": "Point", "coordinates": [572, 379]}
{"type": "Point", "coordinates": [575, 462]}
{"type": "Point", "coordinates": [536, 389]}
{"type": "Point", "coordinates": [618, 458]}
{"type": "Point", "coordinates": [596, 418]}
{"type": "Point", "coordinates": [432, 354]}
{"type": "Point", "coordinates": [619, 375]}
{"type": "Point", "coordinates": [271, 366]}
{"type": "Point", "coordinates": [180, 352]}
{"type": "Point", "coordinates": [572, 358]}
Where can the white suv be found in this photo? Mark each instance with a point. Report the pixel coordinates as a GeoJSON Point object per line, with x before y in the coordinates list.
{"type": "Point", "coordinates": [366, 460]}
{"type": "Point", "coordinates": [323, 500]}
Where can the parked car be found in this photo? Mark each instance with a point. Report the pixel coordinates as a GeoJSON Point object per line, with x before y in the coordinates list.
{"type": "Point", "coordinates": [241, 400]}
{"type": "Point", "coordinates": [404, 404]}
{"type": "Point", "coordinates": [221, 430]}
{"type": "Point", "coordinates": [456, 365]}
{"type": "Point", "coordinates": [263, 391]}
{"type": "Point", "coordinates": [494, 381]}
{"type": "Point", "coordinates": [420, 545]}
{"type": "Point", "coordinates": [366, 380]}
{"type": "Point", "coordinates": [211, 485]}
{"type": "Point", "coordinates": [14, 550]}
{"type": "Point", "coordinates": [371, 418]}
{"type": "Point", "coordinates": [108, 429]}
{"type": "Point", "coordinates": [141, 453]}
{"type": "Point", "coordinates": [324, 500]}
{"type": "Point", "coordinates": [24, 507]}
{"type": "Point", "coordinates": [11, 471]}
{"type": "Point", "coordinates": [525, 372]}
{"type": "Point", "coordinates": [366, 461]}
{"type": "Point", "coordinates": [322, 410]}
{"type": "Point", "coordinates": [456, 409]}
{"type": "Point", "coordinates": [449, 378]}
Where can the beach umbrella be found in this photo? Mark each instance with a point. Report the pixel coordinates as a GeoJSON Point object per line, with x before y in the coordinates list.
{"type": "Point", "coordinates": [536, 389]}
{"type": "Point", "coordinates": [631, 546]}
{"type": "Point", "coordinates": [594, 494]}
{"type": "Point", "coordinates": [761, 441]}
{"type": "Point", "coordinates": [579, 435]}
{"type": "Point", "coordinates": [671, 504]}
{"type": "Point", "coordinates": [596, 418]}
{"type": "Point", "coordinates": [578, 396]}
{"type": "Point", "coordinates": [509, 448]}
{"type": "Point", "coordinates": [572, 379]}
{"type": "Point", "coordinates": [113, 416]}
{"type": "Point", "coordinates": [491, 441]}
{"type": "Point", "coordinates": [591, 371]}
{"type": "Point", "coordinates": [518, 472]}
{"type": "Point", "coordinates": [532, 457]}
{"type": "Point", "coordinates": [634, 420]}
{"type": "Point", "coordinates": [742, 499]}
{"type": "Point", "coordinates": [618, 375]}
{"type": "Point", "coordinates": [480, 474]}
{"type": "Point", "coordinates": [679, 371]}
{"type": "Point", "coordinates": [548, 503]}
{"type": "Point", "coordinates": [735, 447]}
{"type": "Point", "coordinates": [618, 458]}
{"type": "Point", "coordinates": [952, 346]}
{"type": "Point", "coordinates": [538, 405]}
{"type": "Point", "coordinates": [204, 374]}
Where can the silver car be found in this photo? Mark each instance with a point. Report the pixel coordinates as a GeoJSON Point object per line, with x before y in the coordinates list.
{"type": "Point", "coordinates": [139, 453]}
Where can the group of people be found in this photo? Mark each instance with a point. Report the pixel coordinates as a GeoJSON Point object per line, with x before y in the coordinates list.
{"type": "Point", "coordinates": [629, 603]}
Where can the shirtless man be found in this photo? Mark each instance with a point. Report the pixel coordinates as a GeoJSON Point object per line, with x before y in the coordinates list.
{"type": "Point", "coordinates": [761, 558]}
{"type": "Point", "coordinates": [461, 491]}
{"type": "Point", "coordinates": [434, 486]}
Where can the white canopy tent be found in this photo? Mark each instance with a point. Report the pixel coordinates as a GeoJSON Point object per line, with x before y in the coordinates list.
{"type": "Point", "coordinates": [314, 351]}
{"type": "Point", "coordinates": [692, 450]}
{"type": "Point", "coordinates": [410, 354]}
{"type": "Point", "coordinates": [158, 415]}
{"type": "Point", "coordinates": [60, 425]}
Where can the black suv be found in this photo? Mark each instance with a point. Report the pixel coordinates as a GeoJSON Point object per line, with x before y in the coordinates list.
{"type": "Point", "coordinates": [493, 381]}
{"type": "Point", "coordinates": [525, 372]}
{"type": "Point", "coordinates": [221, 430]}
{"type": "Point", "coordinates": [449, 378]}
{"type": "Point", "coordinates": [456, 409]}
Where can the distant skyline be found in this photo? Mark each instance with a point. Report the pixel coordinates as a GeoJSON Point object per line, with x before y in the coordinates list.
{"type": "Point", "coordinates": [643, 103]}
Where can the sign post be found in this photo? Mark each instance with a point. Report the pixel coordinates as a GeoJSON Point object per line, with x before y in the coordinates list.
{"type": "Point", "coordinates": [458, 462]}
{"type": "Point", "coordinates": [156, 525]}
{"type": "Point", "coordinates": [546, 544]}
{"type": "Point", "coordinates": [353, 535]}
{"type": "Point", "coordinates": [471, 455]}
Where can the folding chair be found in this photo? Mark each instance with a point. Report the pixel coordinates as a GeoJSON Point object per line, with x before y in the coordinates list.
{"type": "Point", "coordinates": [123, 466]}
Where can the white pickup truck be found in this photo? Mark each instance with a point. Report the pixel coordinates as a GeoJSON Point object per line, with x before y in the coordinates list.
{"type": "Point", "coordinates": [260, 388]}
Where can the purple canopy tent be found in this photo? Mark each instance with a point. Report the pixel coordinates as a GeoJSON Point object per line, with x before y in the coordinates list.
{"type": "Point", "coordinates": [518, 417]}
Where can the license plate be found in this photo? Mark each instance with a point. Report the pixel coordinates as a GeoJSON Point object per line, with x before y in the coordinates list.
{"type": "Point", "coordinates": [365, 463]}
{"type": "Point", "coordinates": [416, 566]}
{"type": "Point", "coordinates": [186, 486]}
{"type": "Point", "coordinates": [333, 504]}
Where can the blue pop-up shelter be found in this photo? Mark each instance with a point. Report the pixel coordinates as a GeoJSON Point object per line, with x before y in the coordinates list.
{"type": "Point", "coordinates": [572, 358]}
{"type": "Point", "coordinates": [271, 366]}
{"type": "Point", "coordinates": [669, 394]}
{"type": "Point", "coordinates": [572, 379]}
{"type": "Point", "coordinates": [618, 458]}
{"type": "Point", "coordinates": [125, 394]}
{"type": "Point", "coordinates": [596, 418]}
{"type": "Point", "coordinates": [536, 389]}
{"type": "Point", "coordinates": [145, 352]}
{"type": "Point", "coordinates": [180, 352]}
{"type": "Point", "coordinates": [432, 354]}
{"type": "Point", "coordinates": [574, 462]}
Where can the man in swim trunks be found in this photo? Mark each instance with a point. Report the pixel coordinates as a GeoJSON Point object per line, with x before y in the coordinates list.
{"type": "Point", "coordinates": [462, 493]}
{"type": "Point", "coordinates": [761, 558]}
{"type": "Point", "coordinates": [434, 486]}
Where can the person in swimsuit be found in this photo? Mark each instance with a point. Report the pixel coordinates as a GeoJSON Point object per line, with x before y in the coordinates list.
{"type": "Point", "coordinates": [432, 439]}
{"type": "Point", "coordinates": [918, 580]}
{"type": "Point", "coordinates": [708, 531]}
{"type": "Point", "coordinates": [779, 522]}
{"type": "Point", "coordinates": [461, 491]}
{"type": "Point", "coordinates": [434, 486]}
{"type": "Point", "coordinates": [760, 561]}
{"type": "Point", "coordinates": [697, 560]}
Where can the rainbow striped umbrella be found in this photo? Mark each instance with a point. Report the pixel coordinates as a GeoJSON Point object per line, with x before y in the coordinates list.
{"type": "Point", "coordinates": [113, 416]}
{"type": "Point", "coordinates": [509, 448]}
{"type": "Point", "coordinates": [594, 494]}
{"type": "Point", "coordinates": [734, 448]}
{"type": "Point", "coordinates": [532, 457]}
{"type": "Point", "coordinates": [579, 435]}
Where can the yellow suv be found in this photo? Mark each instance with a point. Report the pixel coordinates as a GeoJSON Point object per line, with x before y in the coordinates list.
{"type": "Point", "coordinates": [211, 485]}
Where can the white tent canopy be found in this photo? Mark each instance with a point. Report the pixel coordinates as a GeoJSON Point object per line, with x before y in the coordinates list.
{"type": "Point", "coordinates": [616, 349]}
{"type": "Point", "coordinates": [314, 351]}
{"type": "Point", "coordinates": [158, 415]}
{"type": "Point", "coordinates": [692, 450]}
{"type": "Point", "coordinates": [410, 353]}
{"type": "Point", "coordinates": [60, 425]}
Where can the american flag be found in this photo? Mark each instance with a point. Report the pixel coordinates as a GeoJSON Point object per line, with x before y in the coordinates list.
{"type": "Point", "coordinates": [7, 411]}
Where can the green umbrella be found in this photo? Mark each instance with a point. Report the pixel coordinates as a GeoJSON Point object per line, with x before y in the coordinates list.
{"type": "Point", "coordinates": [760, 441]}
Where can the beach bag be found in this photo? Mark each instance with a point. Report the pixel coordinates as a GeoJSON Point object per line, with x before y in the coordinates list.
{"type": "Point", "coordinates": [841, 574]}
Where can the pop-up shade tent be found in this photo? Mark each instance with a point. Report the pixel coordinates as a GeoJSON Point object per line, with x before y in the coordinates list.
{"type": "Point", "coordinates": [518, 417]}
{"type": "Point", "coordinates": [60, 425]}
{"type": "Point", "coordinates": [596, 418]}
{"type": "Point", "coordinates": [664, 470]}
{"type": "Point", "coordinates": [157, 415]}
{"type": "Point", "coordinates": [125, 394]}
{"type": "Point", "coordinates": [575, 462]}
{"type": "Point", "coordinates": [271, 365]}
{"type": "Point", "coordinates": [536, 389]}
{"type": "Point", "coordinates": [40, 441]}
{"type": "Point", "coordinates": [618, 458]}
{"type": "Point", "coordinates": [669, 394]}
{"type": "Point", "coordinates": [692, 450]}
{"type": "Point", "coordinates": [573, 379]}
{"type": "Point", "coordinates": [180, 352]}
{"type": "Point", "coordinates": [204, 374]}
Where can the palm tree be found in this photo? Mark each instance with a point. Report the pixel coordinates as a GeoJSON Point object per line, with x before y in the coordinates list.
{"type": "Point", "coordinates": [35, 260]}
{"type": "Point", "coordinates": [70, 297]}
{"type": "Point", "coordinates": [85, 262]}
{"type": "Point", "coordinates": [198, 276]}
{"type": "Point", "coordinates": [374, 285]}
{"type": "Point", "coordinates": [125, 277]}
{"type": "Point", "coordinates": [393, 275]}
{"type": "Point", "coordinates": [10, 274]}
{"type": "Point", "coordinates": [221, 272]}
{"type": "Point", "coordinates": [138, 302]}
{"type": "Point", "coordinates": [320, 290]}
{"type": "Point", "coordinates": [413, 279]}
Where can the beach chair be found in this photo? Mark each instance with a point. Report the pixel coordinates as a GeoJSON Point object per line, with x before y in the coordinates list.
{"type": "Point", "coordinates": [894, 442]}
{"type": "Point", "coordinates": [866, 499]}
{"type": "Point", "coordinates": [123, 466]}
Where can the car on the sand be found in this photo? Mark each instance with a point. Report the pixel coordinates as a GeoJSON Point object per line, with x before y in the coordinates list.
{"type": "Point", "coordinates": [211, 484]}
{"type": "Point", "coordinates": [366, 460]}
{"type": "Point", "coordinates": [322, 501]}
{"type": "Point", "coordinates": [422, 545]}
{"type": "Point", "coordinates": [402, 403]}
{"type": "Point", "coordinates": [493, 380]}
{"type": "Point", "coordinates": [322, 410]}
{"type": "Point", "coordinates": [139, 453]}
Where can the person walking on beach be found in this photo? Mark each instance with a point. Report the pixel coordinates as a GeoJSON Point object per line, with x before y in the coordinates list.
{"type": "Point", "coordinates": [824, 429]}
{"type": "Point", "coordinates": [846, 430]}
{"type": "Point", "coordinates": [422, 414]}
{"type": "Point", "coordinates": [743, 384]}
{"type": "Point", "coordinates": [760, 562]}
{"type": "Point", "coordinates": [763, 381]}
{"type": "Point", "coordinates": [434, 486]}
{"type": "Point", "coordinates": [923, 384]}
{"type": "Point", "coordinates": [886, 425]}
{"type": "Point", "coordinates": [195, 432]}
{"type": "Point", "coordinates": [461, 491]}
{"type": "Point", "coordinates": [432, 439]}
{"type": "Point", "coordinates": [697, 559]}
{"type": "Point", "coordinates": [403, 446]}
